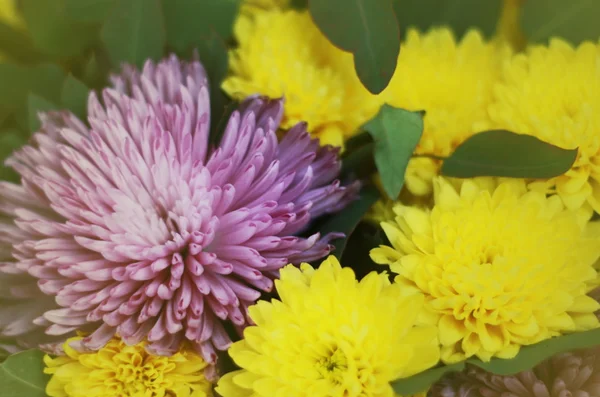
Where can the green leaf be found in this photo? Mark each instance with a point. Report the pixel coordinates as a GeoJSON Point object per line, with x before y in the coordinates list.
{"type": "Point", "coordinates": [396, 133]}
{"type": "Point", "coordinates": [573, 20]}
{"type": "Point", "coordinates": [422, 381]}
{"type": "Point", "coordinates": [74, 96]}
{"type": "Point", "coordinates": [17, 81]}
{"type": "Point", "coordinates": [22, 375]}
{"type": "Point", "coordinates": [134, 32]}
{"type": "Point", "coordinates": [36, 105]}
{"type": "Point", "coordinates": [52, 32]}
{"type": "Point", "coordinates": [88, 11]}
{"type": "Point", "coordinates": [346, 220]}
{"type": "Point", "coordinates": [188, 21]}
{"type": "Point", "coordinates": [527, 358]}
{"type": "Point", "coordinates": [460, 15]}
{"type": "Point", "coordinates": [366, 28]}
{"type": "Point", "coordinates": [506, 154]}
{"type": "Point", "coordinates": [213, 55]}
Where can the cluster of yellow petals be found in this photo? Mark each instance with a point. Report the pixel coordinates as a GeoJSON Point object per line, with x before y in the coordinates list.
{"type": "Point", "coordinates": [500, 266]}
{"type": "Point", "coordinates": [453, 82]}
{"type": "Point", "coordinates": [118, 370]}
{"type": "Point", "coordinates": [551, 92]}
{"type": "Point", "coordinates": [331, 336]}
{"type": "Point", "coordinates": [281, 53]}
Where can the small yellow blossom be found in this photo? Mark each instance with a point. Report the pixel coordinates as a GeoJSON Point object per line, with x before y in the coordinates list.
{"type": "Point", "coordinates": [551, 92]}
{"type": "Point", "coordinates": [453, 83]}
{"type": "Point", "coordinates": [119, 370]}
{"type": "Point", "coordinates": [331, 336]}
{"type": "Point", "coordinates": [282, 53]}
{"type": "Point", "coordinates": [500, 266]}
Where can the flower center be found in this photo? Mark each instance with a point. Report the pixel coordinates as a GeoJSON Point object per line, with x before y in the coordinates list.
{"type": "Point", "coordinates": [133, 376]}
{"type": "Point", "coordinates": [333, 366]}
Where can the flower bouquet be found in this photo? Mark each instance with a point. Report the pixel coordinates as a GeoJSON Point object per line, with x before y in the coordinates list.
{"type": "Point", "coordinates": [324, 198]}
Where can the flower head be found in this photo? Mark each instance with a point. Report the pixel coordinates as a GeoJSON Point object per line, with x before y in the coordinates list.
{"type": "Point", "coordinates": [282, 53]}
{"type": "Point", "coordinates": [567, 374]}
{"type": "Point", "coordinates": [134, 227]}
{"type": "Point", "coordinates": [550, 92]}
{"type": "Point", "coordinates": [500, 267]}
{"type": "Point", "coordinates": [120, 370]}
{"type": "Point", "coordinates": [330, 335]}
{"type": "Point", "coordinates": [452, 82]}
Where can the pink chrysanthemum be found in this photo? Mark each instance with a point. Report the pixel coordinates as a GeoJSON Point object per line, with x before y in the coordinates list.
{"type": "Point", "coordinates": [135, 227]}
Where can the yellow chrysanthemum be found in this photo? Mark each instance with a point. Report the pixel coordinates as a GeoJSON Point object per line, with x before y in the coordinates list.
{"type": "Point", "coordinates": [453, 83]}
{"type": "Point", "coordinates": [119, 370]}
{"type": "Point", "coordinates": [331, 336]}
{"type": "Point", "coordinates": [552, 93]}
{"type": "Point", "coordinates": [282, 53]}
{"type": "Point", "coordinates": [500, 267]}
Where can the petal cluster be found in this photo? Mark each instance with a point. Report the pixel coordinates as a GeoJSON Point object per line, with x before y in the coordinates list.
{"type": "Point", "coordinates": [500, 267]}
{"type": "Point", "coordinates": [134, 226]}
{"type": "Point", "coordinates": [452, 81]}
{"type": "Point", "coordinates": [282, 53]}
{"type": "Point", "coordinates": [550, 92]}
{"type": "Point", "coordinates": [120, 370]}
{"type": "Point", "coordinates": [331, 336]}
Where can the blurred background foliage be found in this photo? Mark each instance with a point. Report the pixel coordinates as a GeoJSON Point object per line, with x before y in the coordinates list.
{"type": "Point", "coordinates": [52, 52]}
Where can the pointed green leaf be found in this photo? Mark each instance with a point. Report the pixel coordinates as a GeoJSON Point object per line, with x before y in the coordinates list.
{"type": "Point", "coordinates": [134, 32]}
{"type": "Point", "coordinates": [189, 21]}
{"type": "Point", "coordinates": [52, 32]}
{"type": "Point", "coordinates": [422, 381]}
{"type": "Point", "coordinates": [22, 375]}
{"type": "Point", "coordinates": [366, 28]}
{"type": "Point", "coordinates": [396, 133]}
{"type": "Point", "coordinates": [460, 15]}
{"type": "Point", "coordinates": [36, 105]}
{"type": "Point", "coordinates": [573, 20]}
{"type": "Point", "coordinates": [506, 154]}
{"type": "Point", "coordinates": [74, 96]}
{"type": "Point", "coordinates": [347, 219]}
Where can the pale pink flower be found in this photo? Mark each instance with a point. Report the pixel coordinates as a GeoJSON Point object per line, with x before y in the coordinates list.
{"type": "Point", "coordinates": [136, 227]}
